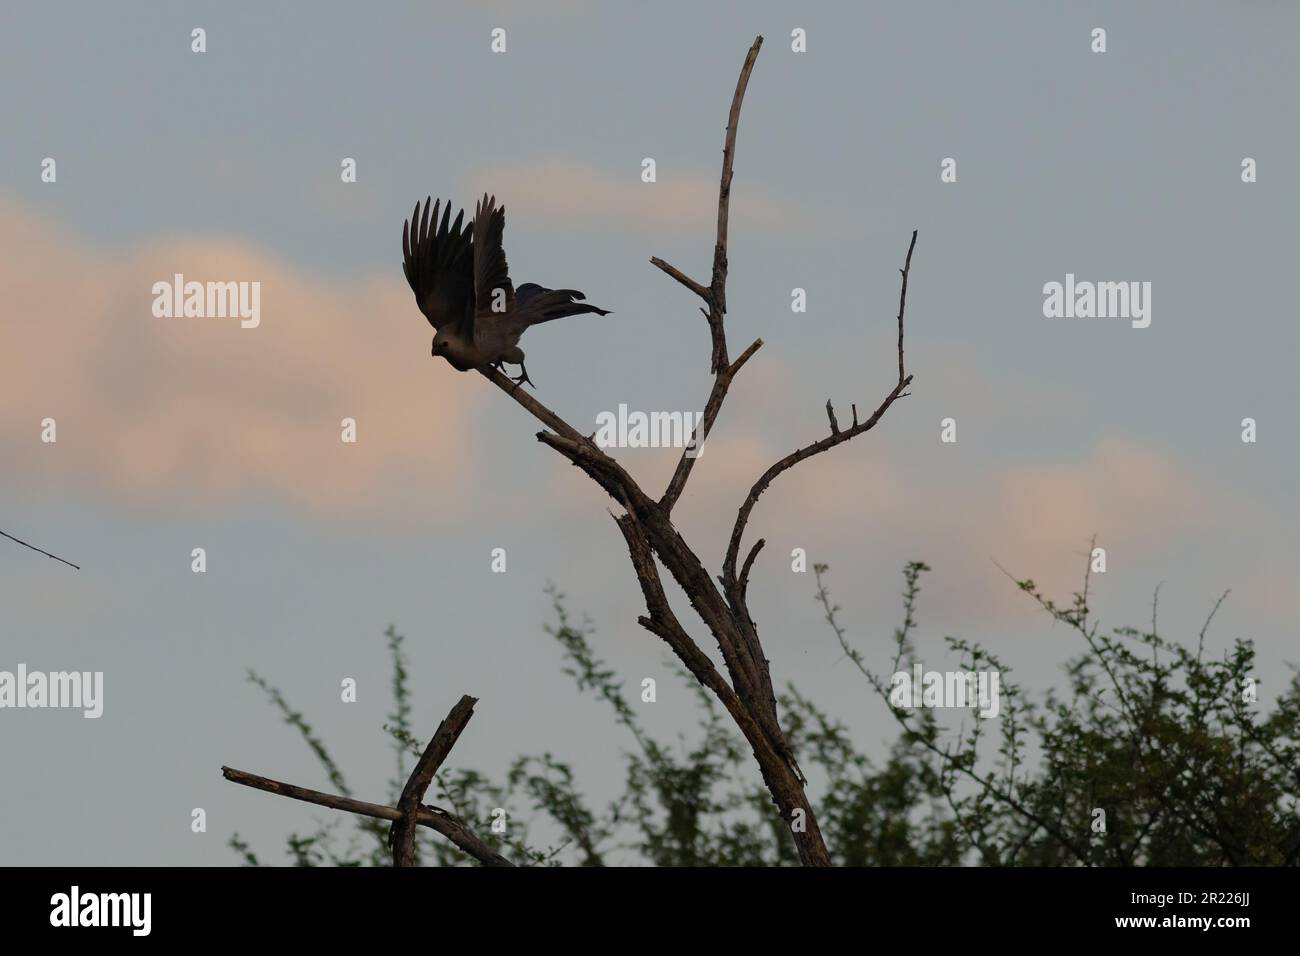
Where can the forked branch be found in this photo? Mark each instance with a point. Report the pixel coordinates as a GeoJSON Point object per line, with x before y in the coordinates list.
{"type": "Point", "coordinates": [401, 836]}
{"type": "Point", "coordinates": [409, 812]}
{"type": "Point", "coordinates": [653, 540]}
{"type": "Point", "coordinates": [715, 296]}
{"type": "Point", "coordinates": [837, 437]}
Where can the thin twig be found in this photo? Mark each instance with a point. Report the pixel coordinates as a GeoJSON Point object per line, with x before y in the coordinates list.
{"type": "Point", "coordinates": [719, 284]}
{"type": "Point", "coordinates": [39, 550]}
{"type": "Point", "coordinates": [836, 436]}
{"type": "Point", "coordinates": [1200, 644]}
{"type": "Point", "coordinates": [902, 302]}
{"type": "Point", "coordinates": [701, 290]}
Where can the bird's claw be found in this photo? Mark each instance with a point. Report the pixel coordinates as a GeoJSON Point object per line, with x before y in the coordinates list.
{"type": "Point", "coordinates": [523, 377]}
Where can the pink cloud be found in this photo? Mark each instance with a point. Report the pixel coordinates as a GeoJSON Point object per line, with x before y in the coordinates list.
{"type": "Point", "coordinates": [205, 410]}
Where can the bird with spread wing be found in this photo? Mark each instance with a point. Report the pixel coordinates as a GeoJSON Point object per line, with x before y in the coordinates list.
{"type": "Point", "coordinates": [462, 285]}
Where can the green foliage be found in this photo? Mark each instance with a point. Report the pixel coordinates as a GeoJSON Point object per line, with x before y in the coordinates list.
{"type": "Point", "coordinates": [1186, 769]}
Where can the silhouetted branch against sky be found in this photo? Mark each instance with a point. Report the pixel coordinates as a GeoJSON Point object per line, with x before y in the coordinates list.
{"type": "Point", "coordinates": [40, 550]}
{"type": "Point", "coordinates": [410, 811]}
{"type": "Point", "coordinates": [654, 541]}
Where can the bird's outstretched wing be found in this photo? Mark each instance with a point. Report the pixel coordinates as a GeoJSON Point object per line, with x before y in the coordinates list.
{"type": "Point", "coordinates": [494, 294]}
{"type": "Point", "coordinates": [438, 262]}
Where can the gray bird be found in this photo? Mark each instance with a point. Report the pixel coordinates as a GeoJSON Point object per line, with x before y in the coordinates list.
{"type": "Point", "coordinates": [462, 285]}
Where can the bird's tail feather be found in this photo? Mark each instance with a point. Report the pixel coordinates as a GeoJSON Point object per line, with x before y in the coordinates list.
{"type": "Point", "coordinates": [549, 304]}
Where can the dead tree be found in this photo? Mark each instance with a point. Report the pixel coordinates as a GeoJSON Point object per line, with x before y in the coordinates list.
{"type": "Point", "coordinates": [653, 541]}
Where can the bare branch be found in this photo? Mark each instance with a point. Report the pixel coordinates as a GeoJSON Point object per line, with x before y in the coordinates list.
{"type": "Point", "coordinates": [744, 357]}
{"type": "Point", "coordinates": [789, 461]}
{"type": "Point", "coordinates": [39, 550]}
{"type": "Point", "coordinates": [700, 290]}
{"type": "Point", "coordinates": [450, 827]}
{"type": "Point", "coordinates": [715, 296]}
{"type": "Point", "coordinates": [535, 408]}
{"type": "Point", "coordinates": [743, 674]}
{"type": "Point", "coordinates": [719, 284]}
{"type": "Point", "coordinates": [770, 749]}
{"type": "Point", "coordinates": [721, 382]}
{"type": "Point", "coordinates": [1200, 644]}
{"type": "Point", "coordinates": [580, 449]}
{"type": "Point", "coordinates": [662, 621]}
{"type": "Point", "coordinates": [902, 302]}
{"type": "Point", "coordinates": [653, 540]}
{"type": "Point", "coordinates": [749, 563]}
{"type": "Point", "coordinates": [836, 436]}
{"type": "Point", "coordinates": [401, 836]}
